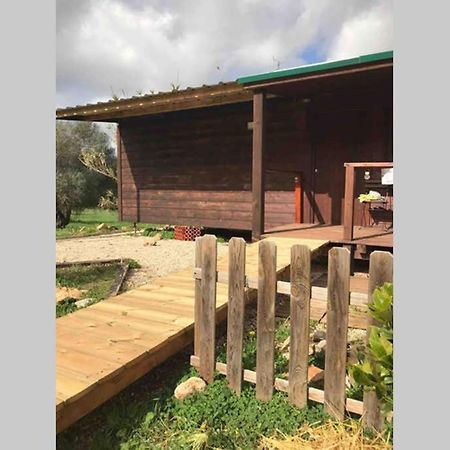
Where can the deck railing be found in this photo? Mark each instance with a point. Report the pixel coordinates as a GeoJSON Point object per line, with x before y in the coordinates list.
{"type": "Point", "coordinates": [349, 194]}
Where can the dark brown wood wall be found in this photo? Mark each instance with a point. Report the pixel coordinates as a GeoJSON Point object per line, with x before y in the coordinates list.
{"type": "Point", "coordinates": [194, 167]}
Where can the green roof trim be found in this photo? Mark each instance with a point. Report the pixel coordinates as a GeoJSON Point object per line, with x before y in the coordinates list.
{"type": "Point", "coordinates": [319, 67]}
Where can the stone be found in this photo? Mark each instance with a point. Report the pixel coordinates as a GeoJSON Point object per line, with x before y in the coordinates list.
{"type": "Point", "coordinates": [83, 302]}
{"type": "Point", "coordinates": [65, 292]}
{"type": "Point", "coordinates": [356, 335]}
{"type": "Point", "coordinates": [319, 335]}
{"type": "Point", "coordinates": [315, 374]}
{"type": "Point", "coordinates": [189, 387]}
{"type": "Point", "coordinates": [320, 346]}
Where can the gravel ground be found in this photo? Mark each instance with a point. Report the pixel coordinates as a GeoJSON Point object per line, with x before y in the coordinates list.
{"type": "Point", "coordinates": [166, 256]}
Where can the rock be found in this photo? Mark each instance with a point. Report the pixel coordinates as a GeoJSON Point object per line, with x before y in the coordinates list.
{"type": "Point", "coordinates": [189, 387]}
{"type": "Point", "coordinates": [356, 335]}
{"type": "Point", "coordinates": [65, 292]}
{"type": "Point", "coordinates": [315, 374]}
{"type": "Point", "coordinates": [102, 226]}
{"type": "Point", "coordinates": [319, 335]}
{"type": "Point", "coordinates": [320, 346]}
{"type": "Point", "coordinates": [83, 302]}
{"type": "Point", "coordinates": [153, 240]}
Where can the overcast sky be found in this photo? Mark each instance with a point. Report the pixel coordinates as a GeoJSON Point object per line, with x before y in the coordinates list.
{"type": "Point", "coordinates": [126, 46]}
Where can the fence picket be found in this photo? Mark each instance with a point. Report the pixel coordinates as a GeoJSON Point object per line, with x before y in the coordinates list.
{"type": "Point", "coordinates": [336, 334]}
{"type": "Point", "coordinates": [299, 311]}
{"type": "Point", "coordinates": [198, 297]}
{"type": "Point", "coordinates": [380, 272]}
{"type": "Point", "coordinates": [208, 308]}
{"type": "Point", "coordinates": [236, 310]}
{"type": "Point", "coordinates": [265, 334]}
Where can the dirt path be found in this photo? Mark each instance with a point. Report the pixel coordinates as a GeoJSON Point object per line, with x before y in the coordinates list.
{"type": "Point", "coordinates": [167, 256]}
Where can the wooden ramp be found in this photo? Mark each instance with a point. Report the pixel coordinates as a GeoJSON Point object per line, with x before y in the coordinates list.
{"type": "Point", "coordinates": [103, 348]}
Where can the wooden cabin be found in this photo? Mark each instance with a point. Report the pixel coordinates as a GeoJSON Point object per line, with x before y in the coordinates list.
{"type": "Point", "coordinates": [264, 153]}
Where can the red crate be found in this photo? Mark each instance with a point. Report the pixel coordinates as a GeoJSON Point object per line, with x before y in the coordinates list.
{"type": "Point", "coordinates": [187, 233]}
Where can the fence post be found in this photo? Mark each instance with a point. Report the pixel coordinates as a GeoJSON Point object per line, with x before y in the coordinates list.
{"type": "Point", "coordinates": [198, 297]}
{"type": "Point", "coordinates": [236, 311]}
{"type": "Point", "coordinates": [380, 272]}
{"type": "Point", "coordinates": [265, 327]}
{"type": "Point", "coordinates": [300, 312]}
{"type": "Point", "coordinates": [336, 334]}
{"type": "Point", "coordinates": [208, 308]}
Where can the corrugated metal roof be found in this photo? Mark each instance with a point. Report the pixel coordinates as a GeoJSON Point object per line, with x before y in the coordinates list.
{"type": "Point", "coordinates": [221, 93]}
{"type": "Point", "coordinates": [319, 67]}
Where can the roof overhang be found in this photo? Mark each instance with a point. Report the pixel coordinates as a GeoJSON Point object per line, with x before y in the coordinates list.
{"type": "Point", "coordinates": [363, 62]}
{"type": "Point", "coordinates": [190, 98]}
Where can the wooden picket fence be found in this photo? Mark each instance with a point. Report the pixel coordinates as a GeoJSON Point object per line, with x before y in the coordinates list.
{"type": "Point", "coordinates": [338, 298]}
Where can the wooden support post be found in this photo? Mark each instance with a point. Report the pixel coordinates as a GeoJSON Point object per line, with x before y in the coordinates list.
{"type": "Point", "coordinates": [300, 312]}
{"type": "Point", "coordinates": [265, 321]}
{"type": "Point", "coordinates": [349, 201]}
{"type": "Point", "coordinates": [298, 200]}
{"type": "Point", "coordinates": [236, 311]}
{"type": "Point", "coordinates": [258, 178]}
{"type": "Point", "coordinates": [380, 272]}
{"type": "Point", "coordinates": [198, 297]}
{"type": "Point", "coordinates": [336, 335]}
{"type": "Point", "coordinates": [119, 171]}
{"type": "Point", "coordinates": [208, 308]}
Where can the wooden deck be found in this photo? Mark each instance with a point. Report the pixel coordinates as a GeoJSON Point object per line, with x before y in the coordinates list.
{"type": "Point", "coordinates": [103, 348]}
{"type": "Point", "coordinates": [369, 236]}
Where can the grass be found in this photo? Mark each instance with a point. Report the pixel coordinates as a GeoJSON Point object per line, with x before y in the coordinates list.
{"type": "Point", "coordinates": [96, 279]}
{"type": "Point", "coordinates": [214, 418]}
{"type": "Point", "coordinates": [84, 223]}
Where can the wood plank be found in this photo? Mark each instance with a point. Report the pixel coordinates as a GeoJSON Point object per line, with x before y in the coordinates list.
{"type": "Point", "coordinates": [198, 297]}
{"type": "Point", "coordinates": [300, 313]}
{"type": "Point", "coordinates": [381, 268]}
{"type": "Point", "coordinates": [118, 380]}
{"type": "Point", "coordinates": [369, 164]}
{"type": "Point", "coordinates": [208, 308]}
{"type": "Point", "coordinates": [265, 328]}
{"type": "Point", "coordinates": [336, 333]}
{"type": "Point", "coordinates": [119, 171]}
{"type": "Point", "coordinates": [236, 312]}
{"type": "Point", "coordinates": [349, 201]}
{"type": "Point", "coordinates": [258, 166]}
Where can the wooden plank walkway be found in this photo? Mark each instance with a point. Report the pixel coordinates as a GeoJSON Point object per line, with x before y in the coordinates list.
{"type": "Point", "coordinates": [371, 236]}
{"type": "Point", "coordinates": [102, 349]}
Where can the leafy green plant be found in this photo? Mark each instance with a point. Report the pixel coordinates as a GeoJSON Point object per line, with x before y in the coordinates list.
{"type": "Point", "coordinates": [67, 306]}
{"type": "Point", "coordinates": [133, 264]}
{"type": "Point", "coordinates": [165, 234]}
{"type": "Point", "coordinates": [375, 372]}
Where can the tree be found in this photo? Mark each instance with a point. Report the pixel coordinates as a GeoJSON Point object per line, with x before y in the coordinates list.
{"type": "Point", "coordinates": [76, 185]}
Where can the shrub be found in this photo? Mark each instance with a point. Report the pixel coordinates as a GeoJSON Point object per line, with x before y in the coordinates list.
{"type": "Point", "coordinates": [375, 372]}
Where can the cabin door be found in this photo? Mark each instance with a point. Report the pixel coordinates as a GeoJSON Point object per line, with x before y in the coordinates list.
{"type": "Point", "coordinates": [334, 141]}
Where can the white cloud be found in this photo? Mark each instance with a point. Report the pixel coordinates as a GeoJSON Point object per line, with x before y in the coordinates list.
{"type": "Point", "coordinates": [137, 44]}
{"type": "Point", "coordinates": [368, 32]}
